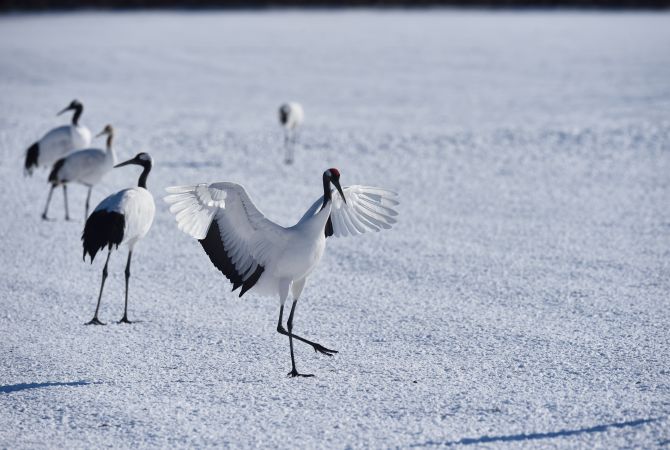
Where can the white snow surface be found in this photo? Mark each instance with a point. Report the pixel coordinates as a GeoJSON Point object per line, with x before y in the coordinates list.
{"type": "Point", "coordinates": [520, 302]}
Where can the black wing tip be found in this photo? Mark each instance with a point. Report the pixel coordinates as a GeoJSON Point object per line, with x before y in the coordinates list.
{"type": "Point", "coordinates": [215, 249]}
{"type": "Point", "coordinates": [32, 155]}
{"type": "Point", "coordinates": [252, 280]}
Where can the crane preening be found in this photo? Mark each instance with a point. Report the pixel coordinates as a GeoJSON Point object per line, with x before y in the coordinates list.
{"type": "Point", "coordinates": [257, 254]}
{"type": "Point", "coordinates": [122, 218]}
{"type": "Point", "coordinates": [291, 116]}
{"type": "Point", "coordinates": [58, 142]}
{"type": "Point", "coordinates": [86, 167]}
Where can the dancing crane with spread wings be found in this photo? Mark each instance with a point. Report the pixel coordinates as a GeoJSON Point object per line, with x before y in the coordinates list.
{"type": "Point", "coordinates": [258, 255]}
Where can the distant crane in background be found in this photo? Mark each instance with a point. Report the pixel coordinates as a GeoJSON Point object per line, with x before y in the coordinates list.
{"type": "Point", "coordinates": [291, 116]}
{"type": "Point", "coordinates": [254, 252]}
{"type": "Point", "coordinates": [58, 142]}
{"type": "Point", "coordinates": [122, 218]}
{"type": "Point", "coordinates": [86, 167]}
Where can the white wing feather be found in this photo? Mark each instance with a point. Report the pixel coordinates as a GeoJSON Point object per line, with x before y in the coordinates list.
{"type": "Point", "coordinates": [367, 209]}
{"type": "Point", "coordinates": [248, 236]}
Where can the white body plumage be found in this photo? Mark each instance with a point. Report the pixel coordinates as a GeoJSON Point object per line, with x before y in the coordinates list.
{"type": "Point", "coordinates": [291, 115]}
{"type": "Point", "coordinates": [137, 206]}
{"type": "Point", "coordinates": [87, 166]}
{"type": "Point", "coordinates": [60, 142]}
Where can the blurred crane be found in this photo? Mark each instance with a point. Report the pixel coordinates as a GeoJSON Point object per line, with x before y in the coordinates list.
{"type": "Point", "coordinates": [291, 116]}
{"type": "Point", "coordinates": [58, 142]}
{"type": "Point", "coordinates": [86, 167]}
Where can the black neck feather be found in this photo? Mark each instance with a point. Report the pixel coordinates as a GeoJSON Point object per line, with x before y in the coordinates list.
{"type": "Point", "coordinates": [143, 176]}
{"type": "Point", "coordinates": [327, 194]}
{"type": "Point", "coordinates": [77, 113]}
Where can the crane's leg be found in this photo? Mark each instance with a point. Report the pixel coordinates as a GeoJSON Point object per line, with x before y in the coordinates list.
{"type": "Point", "coordinates": [67, 212]}
{"type": "Point", "coordinates": [46, 208]}
{"type": "Point", "coordinates": [124, 319]}
{"type": "Point", "coordinates": [297, 290]}
{"type": "Point", "coordinates": [88, 199]}
{"type": "Point", "coordinates": [283, 293]}
{"type": "Point", "coordinates": [95, 320]}
{"type": "Point", "coordinates": [288, 159]}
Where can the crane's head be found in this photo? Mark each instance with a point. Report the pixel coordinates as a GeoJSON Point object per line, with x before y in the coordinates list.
{"type": "Point", "coordinates": [141, 159]}
{"type": "Point", "coordinates": [108, 130]}
{"type": "Point", "coordinates": [74, 105]}
{"type": "Point", "coordinates": [332, 176]}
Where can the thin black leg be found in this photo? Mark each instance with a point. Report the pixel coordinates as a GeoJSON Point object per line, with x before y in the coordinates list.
{"type": "Point", "coordinates": [46, 208]}
{"type": "Point", "coordinates": [289, 324]}
{"type": "Point", "coordinates": [288, 159]}
{"type": "Point", "coordinates": [317, 347]}
{"type": "Point", "coordinates": [124, 319]}
{"type": "Point", "coordinates": [88, 198]}
{"type": "Point", "coordinates": [95, 320]}
{"type": "Point", "coordinates": [67, 212]}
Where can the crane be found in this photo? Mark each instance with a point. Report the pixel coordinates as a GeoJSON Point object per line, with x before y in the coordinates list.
{"type": "Point", "coordinates": [291, 116]}
{"type": "Point", "coordinates": [256, 254]}
{"type": "Point", "coordinates": [59, 141]}
{"type": "Point", "coordinates": [86, 167]}
{"type": "Point", "coordinates": [122, 218]}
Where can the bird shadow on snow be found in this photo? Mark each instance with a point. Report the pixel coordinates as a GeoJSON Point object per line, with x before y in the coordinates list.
{"type": "Point", "coordinates": [25, 386]}
{"type": "Point", "coordinates": [535, 436]}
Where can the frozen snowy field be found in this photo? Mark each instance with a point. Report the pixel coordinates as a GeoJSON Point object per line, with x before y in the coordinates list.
{"type": "Point", "coordinates": [521, 302]}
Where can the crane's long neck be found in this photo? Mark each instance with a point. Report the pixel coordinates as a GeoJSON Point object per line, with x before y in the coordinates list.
{"type": "Point", "coordinates": [327, 193]}
{"type": "Point", "coordinates": [142, 182]}
{"type": "Point", "coordinates": [77, 114]}
{"type": "Point", "coordinates": [110, 150]}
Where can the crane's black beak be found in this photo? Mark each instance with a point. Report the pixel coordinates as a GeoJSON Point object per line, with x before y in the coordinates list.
{"type": "Point", "coordinates": [65, 110]}
{"type": "Point", "coordinates": [125, 163]}
{"type": "Point", "coordinates": [336, 182]}
{"type": "Point", "coordinates": [101, 133]}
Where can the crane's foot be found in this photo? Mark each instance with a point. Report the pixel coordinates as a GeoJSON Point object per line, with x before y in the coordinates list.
{"type": "Point", "coordinates": [124, 320]}
{"type": "Point", "coordinates": [323, 350]}
{"type": "Point", "coordinates": [294, 373]}
{"type": "Point", "coordinates": [94, 321]}
{"type": "Point", "coordinates": [46, 218]}
{"type": "Point", "coordinates": [288, 162]}
{"type": "Point", "coordinates": [67, 219]}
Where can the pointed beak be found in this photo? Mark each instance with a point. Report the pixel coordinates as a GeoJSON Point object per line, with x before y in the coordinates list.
{"type": "Point", "coordinates": [64, 110]}
{"type": "Point", "coordinates": [101, 133]}
{"type": "Point", "coordinates": [339, 189]}
{"type": "Point", "coordinates": [125, 163]}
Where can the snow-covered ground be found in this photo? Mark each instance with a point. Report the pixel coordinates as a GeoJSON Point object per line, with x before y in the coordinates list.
{"type": "Point", "coordinates": [522, 301]}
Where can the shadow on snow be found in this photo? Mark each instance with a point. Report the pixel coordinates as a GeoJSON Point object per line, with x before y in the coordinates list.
{"type": "Point", "coordinates": [24, 386]}
{"type": "Point", "coordinates": [534, 436]}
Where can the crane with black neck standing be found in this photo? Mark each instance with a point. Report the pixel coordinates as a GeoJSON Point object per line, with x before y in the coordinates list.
{"type": "Point", "coordinates": [123, 218]}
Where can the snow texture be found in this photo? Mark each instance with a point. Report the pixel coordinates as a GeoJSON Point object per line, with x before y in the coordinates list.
{"type": "Point", "coordinates": [520, 302]}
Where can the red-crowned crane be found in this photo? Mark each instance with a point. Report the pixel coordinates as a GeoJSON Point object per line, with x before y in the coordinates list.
{"type": "Point", "coordinates": [257, 254]}
{"type": "Point", "coordinates": [122, 218]}
{"type": "Point", "coordinates": [86, 167]}
{"type": "Point", "coordinates": [291, 116]}
{"type": "Point", "coordinates": [58, 142]}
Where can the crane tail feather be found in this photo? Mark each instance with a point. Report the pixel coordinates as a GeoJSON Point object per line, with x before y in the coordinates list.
{"type": "Point", "coordinates": [32, 155]}
{"type": "Point", "coordinates": [102, 229]}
